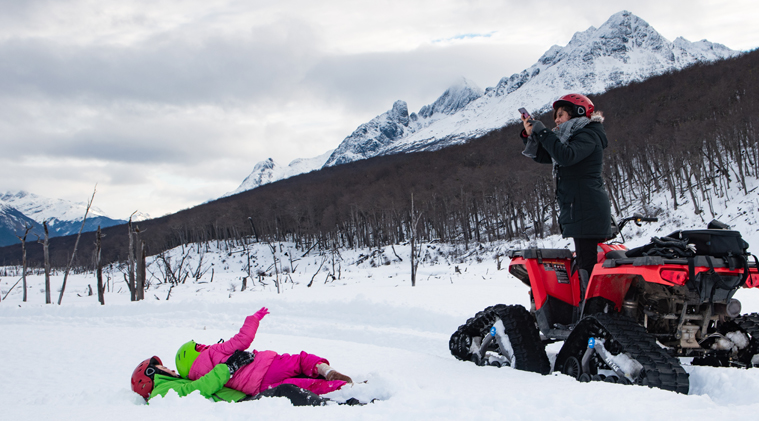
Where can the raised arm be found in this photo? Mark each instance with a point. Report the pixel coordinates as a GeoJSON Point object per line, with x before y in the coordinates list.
{"type": "Point", "coordinates": [582, 145]}
{"type": "Point", "coordinates": [242, 340]}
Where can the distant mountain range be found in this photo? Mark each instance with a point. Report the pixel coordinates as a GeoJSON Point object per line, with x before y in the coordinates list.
{"type": "Point", "coordinates": [21, 209]}
{"type": "Point", "coordinates": [269, 171]}
{"type": "Point", "coordinates": [624, 49]}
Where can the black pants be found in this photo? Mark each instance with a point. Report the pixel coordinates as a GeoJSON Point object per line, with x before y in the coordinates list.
{"type": "Point", "coordinates": [586, 253]}
{"type": "Point", "coordinates": [297, 395]}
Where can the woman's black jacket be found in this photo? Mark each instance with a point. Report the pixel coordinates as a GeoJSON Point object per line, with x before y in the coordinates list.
{"type": "Point", "coordinates": [584, 204]}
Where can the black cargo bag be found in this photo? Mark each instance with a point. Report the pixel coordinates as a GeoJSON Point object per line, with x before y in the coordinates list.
{"type": "Point", "coordinates": [714, 242]}
{"type": "Point", "coordinates": [720, 243]}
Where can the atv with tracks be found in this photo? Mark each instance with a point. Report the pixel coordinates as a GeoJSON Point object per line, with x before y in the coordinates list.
{"type": "Point", "coordinates": [633, 319]}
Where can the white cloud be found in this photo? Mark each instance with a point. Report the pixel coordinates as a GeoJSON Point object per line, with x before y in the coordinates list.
{"type": "Point", "coordinates": [166, 104]}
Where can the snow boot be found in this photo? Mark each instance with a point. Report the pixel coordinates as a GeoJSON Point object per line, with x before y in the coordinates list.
{"type": "Point", "coordinates": [331, 374]}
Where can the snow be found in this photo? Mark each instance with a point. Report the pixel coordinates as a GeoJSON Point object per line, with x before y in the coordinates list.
{"type": "Point", "coordinates": [74, 361]}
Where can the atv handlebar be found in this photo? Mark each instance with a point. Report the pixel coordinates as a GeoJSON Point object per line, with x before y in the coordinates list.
{"type": "Point", "coordinates": [637, 218]}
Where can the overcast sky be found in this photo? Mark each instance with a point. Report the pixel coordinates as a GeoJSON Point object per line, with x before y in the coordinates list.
{"type": "Point", "coordinates": [166, 104]}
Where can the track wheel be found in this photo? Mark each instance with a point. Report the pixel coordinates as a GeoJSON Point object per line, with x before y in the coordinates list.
{"type": "Point", "coordinates": [749, 323]}
{"type": "Point", "coordinates": [572, 368]}
{"type": "Point", "coordinates": [512, 339]}
{"type": "Point", "coordinates": [501, 336]}
{"type": "Point", "coordinates": [619, 350]}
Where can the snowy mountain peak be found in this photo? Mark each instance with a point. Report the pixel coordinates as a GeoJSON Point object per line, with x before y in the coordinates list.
{"type": "Point", "coordinates": [268, 164]}
{"type": "Point", "coordinates": [22, 209]}
{"type": "Point", "coordinates": [453, 99]}
{"type": "Point", "coordinates": [624, 19]}
{"type": "Point", "coordinates": [399, 112]}
{"type": "Point", "coordinates": [263, 172]}
{"type": "Point", "coordinates": [269, 171]}
{"type": "Point", "coordinates": [371, 137]}
{"type": "Point", "coordinates": [41, 208]}
{"type": "Point", "coordinates": [622, 50]}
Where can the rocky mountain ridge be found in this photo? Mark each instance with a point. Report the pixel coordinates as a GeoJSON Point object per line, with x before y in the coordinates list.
{"type": "Point", "coordinates": [624, 49]}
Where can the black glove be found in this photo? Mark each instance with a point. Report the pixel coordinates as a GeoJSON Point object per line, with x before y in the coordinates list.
{"type": "Point", "coordinates": [537, 126]}
{"type": "Point", "coordinates": [238, 360]}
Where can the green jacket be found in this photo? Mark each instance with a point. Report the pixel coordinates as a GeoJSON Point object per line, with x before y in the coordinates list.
{"type": "Point", "coordinates": [583, 202]}
{"type": "Point", "coordinates": [211, 385]}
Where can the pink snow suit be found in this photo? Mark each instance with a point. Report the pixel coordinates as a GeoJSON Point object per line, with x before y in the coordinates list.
{"type": "Point", "coordinates": [268, 370]}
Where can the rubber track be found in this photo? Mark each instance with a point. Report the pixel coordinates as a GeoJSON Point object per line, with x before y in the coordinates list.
{"type": "Point", "coordinates": [519, 325]}
{"type": "Point", "coordinates": [662, 370]}
{"type": "Point", "coordinates": [750, 324]}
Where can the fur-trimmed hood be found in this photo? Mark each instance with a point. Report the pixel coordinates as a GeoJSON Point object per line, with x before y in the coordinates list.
{"type": "Point", "coordinates": [597, 117]}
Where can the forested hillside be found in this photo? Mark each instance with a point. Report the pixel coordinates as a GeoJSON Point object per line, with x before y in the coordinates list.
{"type": "Point", "coordinates": [691, 133]}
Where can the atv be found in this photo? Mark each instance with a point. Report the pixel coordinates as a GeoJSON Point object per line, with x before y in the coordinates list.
{"type": "Point", "coordinates": [632, 319]}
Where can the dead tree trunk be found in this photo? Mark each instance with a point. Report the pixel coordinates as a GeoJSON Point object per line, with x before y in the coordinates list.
{"type": "Point", "coordinates": [46, 253]}
{"type": "Point", "coordinates": [23, 259]}
{"type": "Point", "coordinates": [414, 255]}
{"type": "Point", "coordinates": [273, 249]}
{"type": "Point", "coordinates": [99, 267]}
{"type": "Point", "coordinates": [255, 233]}
{"type": "Point", "coordinates": [141, 272]}
{"type": "Point", "coordinates": [76, 245]}
{"type": "Point", "coordinates": [130, 262]}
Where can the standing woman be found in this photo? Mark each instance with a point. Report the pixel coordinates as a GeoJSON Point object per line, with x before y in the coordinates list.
{"type": "Point", "coordinates": [575, 147]}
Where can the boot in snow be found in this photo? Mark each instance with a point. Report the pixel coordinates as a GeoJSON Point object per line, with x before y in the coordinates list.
{"type": "Point", "coordinates": [330, 373]}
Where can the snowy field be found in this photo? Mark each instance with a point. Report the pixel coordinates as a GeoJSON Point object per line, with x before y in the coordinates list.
{"type": "Point", "coordinates": [74, 361]}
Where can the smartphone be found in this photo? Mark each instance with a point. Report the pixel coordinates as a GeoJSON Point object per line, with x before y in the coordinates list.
{"type": "Point", "coordinates": [524, 113]}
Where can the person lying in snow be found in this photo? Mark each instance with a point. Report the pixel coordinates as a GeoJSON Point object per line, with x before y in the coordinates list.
{"type": "Point", "coordinates": [258, 371]}
{"type": "Point", "coordinates": [151, 378]}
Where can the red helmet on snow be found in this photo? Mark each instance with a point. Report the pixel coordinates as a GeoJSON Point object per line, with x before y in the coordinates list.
{"type": "Point", "coordinates": [142, 377]}
{"type": "Point", "coordinates": [580, 104]}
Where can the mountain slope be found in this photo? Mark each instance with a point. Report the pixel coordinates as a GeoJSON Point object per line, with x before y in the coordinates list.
{"type": "Point", "coordinates": [13, 223]}
{"type": "Point", "coordinates": [269, 171]}
{"type": "Point", "coordinates": [21, 209]}
{"type": "Point", "coordinates": [623, 50]}
{"type": "Point", "coordinates": [381, 133]}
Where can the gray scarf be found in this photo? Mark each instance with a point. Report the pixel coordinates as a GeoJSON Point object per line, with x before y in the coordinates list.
{"type": "Point", "coordinates": [564, 131]}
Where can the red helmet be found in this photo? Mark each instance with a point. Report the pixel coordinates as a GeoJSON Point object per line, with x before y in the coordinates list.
{"type": "Point", "coordinates": [142, 377]}
{"type": "Point", "coordinates": [580, 104]}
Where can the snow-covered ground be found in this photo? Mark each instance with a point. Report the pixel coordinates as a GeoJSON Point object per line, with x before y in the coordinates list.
{"type": "Point", "coordinates": [74, 361]}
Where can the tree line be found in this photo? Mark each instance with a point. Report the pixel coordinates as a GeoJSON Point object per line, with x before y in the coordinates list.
{"type": "Point", "coordinates": [690, 133]}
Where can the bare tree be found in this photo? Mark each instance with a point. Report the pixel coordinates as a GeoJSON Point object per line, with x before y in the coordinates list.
{"type": "Point", "coordinates": [76, 245]}
{"type": "Point", "coordinates": [336, 258]}
{"type": "Point", "coordinates": [46, 253]}
{"type": "Point", "coordinates": [130, 261]}
{"type": "Point", "coordinates": [23, 258]}
{"type": "Point", "coordinates": [99, 267]}
{"type": "Point", "coordinates": [139, 284]}
{"type": "Point", "coordinates": [414, 253]}
{"type": "Point", "coordinates": [174, 274]}
{"type": "Point", "coordinates": [273, 249]}
{"type": "Point", "coordinates": [201, 270]}
{"type": "Point", "coordinates": [9, 291]}
{"type": "Point", "coordinates": [324, 260]}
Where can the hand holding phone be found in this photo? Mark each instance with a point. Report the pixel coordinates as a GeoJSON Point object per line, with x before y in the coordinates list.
{"type": "Point", "coordinates": [525, 114]}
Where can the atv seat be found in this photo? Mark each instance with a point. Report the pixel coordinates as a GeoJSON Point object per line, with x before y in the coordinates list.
{"type": "Point", "coordinates": [536, 253]}
{"type": "Point", "coordinates": [616, 254]}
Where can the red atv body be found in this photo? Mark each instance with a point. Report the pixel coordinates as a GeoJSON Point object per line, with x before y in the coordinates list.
{"type": "Point", "coordinates": [636, 317]}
